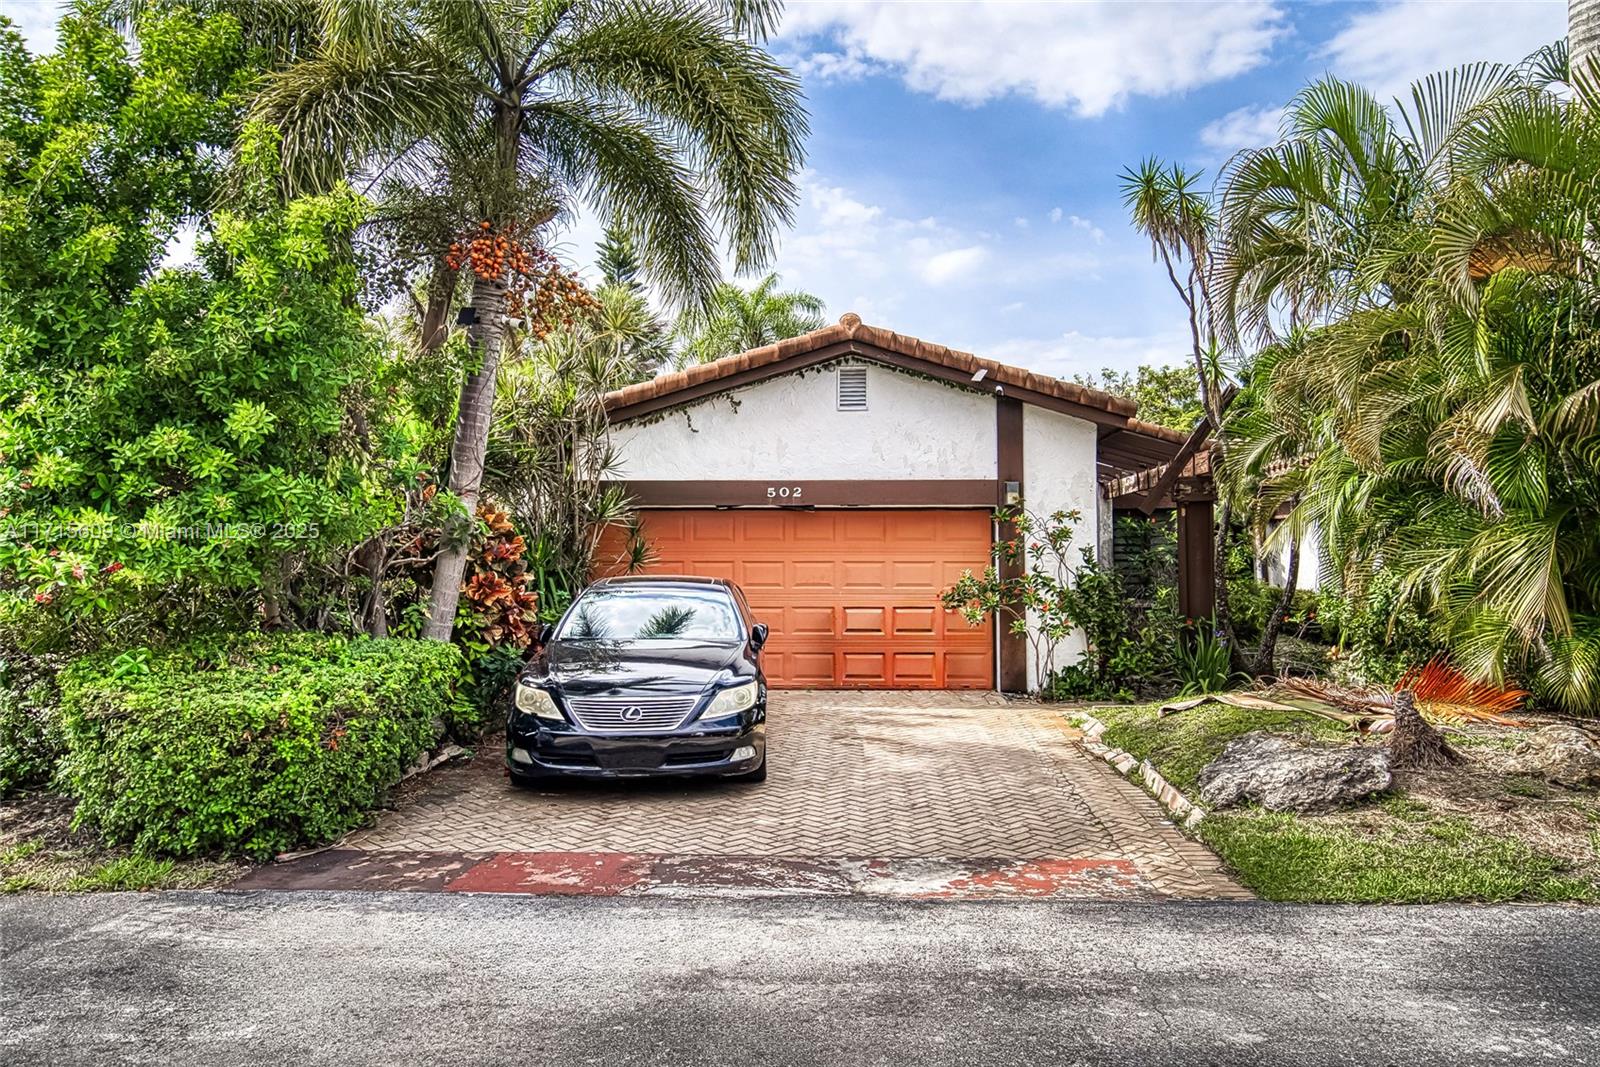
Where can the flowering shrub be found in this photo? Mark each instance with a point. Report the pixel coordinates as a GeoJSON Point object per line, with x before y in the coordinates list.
{"type": "Point", "coordinates": [1042, 594]}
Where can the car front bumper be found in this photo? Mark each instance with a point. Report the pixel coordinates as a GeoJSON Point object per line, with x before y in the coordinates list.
{"type": "Point", "coordinates": [535, 750]}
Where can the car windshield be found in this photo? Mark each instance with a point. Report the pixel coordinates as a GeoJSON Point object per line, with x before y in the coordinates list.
{"type": "Point", "coordinates": [618, 613]}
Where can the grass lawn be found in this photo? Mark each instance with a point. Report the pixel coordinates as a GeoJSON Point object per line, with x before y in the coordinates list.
{"type": "Point", "coordinates": [1474, 833]}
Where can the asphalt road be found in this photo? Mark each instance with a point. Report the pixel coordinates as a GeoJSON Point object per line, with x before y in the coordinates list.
{"type": "Point", "coordinates": [393, 979]}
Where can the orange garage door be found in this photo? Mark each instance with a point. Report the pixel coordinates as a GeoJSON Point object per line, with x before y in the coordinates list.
{"type": "Point", "coordinates": [851, 597]}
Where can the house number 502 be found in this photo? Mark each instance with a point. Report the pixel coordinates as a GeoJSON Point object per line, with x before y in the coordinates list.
{"type": "Point", "coordinates": [784, 492]}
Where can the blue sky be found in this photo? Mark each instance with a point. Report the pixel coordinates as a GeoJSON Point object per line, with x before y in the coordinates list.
{"type": "Point", "coordinates": [961, 181]}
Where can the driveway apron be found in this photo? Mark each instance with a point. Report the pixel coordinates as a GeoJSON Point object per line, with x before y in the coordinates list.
{"type": "Point", "coordinates": [923, 795]}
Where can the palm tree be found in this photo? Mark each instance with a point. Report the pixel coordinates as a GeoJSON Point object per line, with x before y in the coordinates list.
{"type": "Point", "coordinates": [666, 115]}
{"type": "Point", "coordinates": [1434, 279]}
{"type": "Point", "coordinates": [1166, 204]}
{"type": "Point", "coordinates": [739, 319]}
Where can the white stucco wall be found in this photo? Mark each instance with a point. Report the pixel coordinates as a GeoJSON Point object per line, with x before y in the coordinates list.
{"type": "Point", "coordinates": [1274, 560]}
{"type": "Point", "coordinates": [790, 427]}
{"type": "Point", "coordinates": [1058, 470]}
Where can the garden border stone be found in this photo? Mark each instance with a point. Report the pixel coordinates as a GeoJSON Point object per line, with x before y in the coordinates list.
{"type": "Point", "coordinates": [1183, 810]}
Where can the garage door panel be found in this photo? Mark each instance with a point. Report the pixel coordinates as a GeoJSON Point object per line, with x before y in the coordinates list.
{"type": "Point", "coordinates": [758, 577]}
{"type": "Point", "coordinates": [864, 528]}
{"type": "Point", "coordinates": [813, 574]}
{"type": "Point", "coordinates": [851, 597]}
{"type": "Point", "coordinates": [919, 620]}
{"type": "Point", "coordinates": [868, 621]}
{"type": "Point", "coordinates": [864, 575]}
{"type": "Point", "coordinates": [865, 668]}
{"type": "Point", "coordinates": [917, 576]}
{"type": "Point", "coordinates": [714, 527]}
{"type": "Point", "coordinates": [968, 670]}
{"type": "Point", "coordinates": [916, 669]}
{"type": "Point", "coordinates": [809, 621]}
{"type": "Point", "coordinates": [760, 527]}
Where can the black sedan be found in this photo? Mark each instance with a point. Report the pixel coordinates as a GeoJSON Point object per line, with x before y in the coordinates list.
{"type": "Point", "coordinates": [644, 676]}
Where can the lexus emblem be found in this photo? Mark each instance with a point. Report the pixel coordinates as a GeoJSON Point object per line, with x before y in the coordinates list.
{"type": "Point", "coordinates": [633, 714]}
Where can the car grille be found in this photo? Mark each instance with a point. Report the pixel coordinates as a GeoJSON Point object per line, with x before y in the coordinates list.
{"type": "Point", "coordinates": [617, 714]}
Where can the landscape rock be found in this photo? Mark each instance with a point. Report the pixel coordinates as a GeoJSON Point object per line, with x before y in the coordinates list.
{"type": "Point", "coordinates": [1282, 774]}
{"type": "Point", "coordinates": [1561, 754]}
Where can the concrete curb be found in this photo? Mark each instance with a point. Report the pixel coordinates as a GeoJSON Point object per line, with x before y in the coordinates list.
{"type": "Point", "coordinates": [1181, 808]}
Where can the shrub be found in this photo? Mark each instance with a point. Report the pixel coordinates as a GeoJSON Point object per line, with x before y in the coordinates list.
{"type": "Point", "coordinates": [30, 729]}
{"type": "Point", "coordinates": [1383, 632]}
{"type": "Point", "coordinates": [249, 746]}
{"type": "Point", "coordinates": [1250, 604]}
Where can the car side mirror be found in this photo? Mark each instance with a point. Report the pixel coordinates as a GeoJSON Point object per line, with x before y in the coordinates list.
{"type": "Point", "coordinates": [547, 633]}
{"type": "Point", "coordinates": [758, 635]}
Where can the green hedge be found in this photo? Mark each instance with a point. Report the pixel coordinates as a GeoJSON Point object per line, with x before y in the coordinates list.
{"type": "Point", "coordinates": [252, 747]}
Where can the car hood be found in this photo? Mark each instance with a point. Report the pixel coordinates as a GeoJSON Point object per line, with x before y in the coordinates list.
{"type": "Point", "coordinates": [660, 666]}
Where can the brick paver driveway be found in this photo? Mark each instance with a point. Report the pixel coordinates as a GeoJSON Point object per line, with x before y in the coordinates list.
{"type": "Point", "coordinates": [888, 789]}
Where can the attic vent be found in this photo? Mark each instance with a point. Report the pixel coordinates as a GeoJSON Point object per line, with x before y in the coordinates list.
{"type": "Point", "coordinates": [852, 388]}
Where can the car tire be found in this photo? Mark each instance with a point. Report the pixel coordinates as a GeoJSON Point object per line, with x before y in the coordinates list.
{"type": "Point", "coordinates": [757, 775]}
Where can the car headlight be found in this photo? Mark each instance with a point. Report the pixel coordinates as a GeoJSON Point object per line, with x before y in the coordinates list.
{"type": "Point", "coordinates": [535, 701]}
{"type": "Point", "coordinates": [731, 701]}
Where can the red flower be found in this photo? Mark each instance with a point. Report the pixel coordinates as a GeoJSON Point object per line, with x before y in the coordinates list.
{"type": "Point", "coordinates": [43, 598]}
{"type": "Point", "coordinates": [111, 568]}
{"type": "Point", "coordinates": [77, 571]}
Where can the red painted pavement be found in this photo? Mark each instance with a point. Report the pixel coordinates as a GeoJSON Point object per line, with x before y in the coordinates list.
{"type": "Point", "coordinates": [611, 874]}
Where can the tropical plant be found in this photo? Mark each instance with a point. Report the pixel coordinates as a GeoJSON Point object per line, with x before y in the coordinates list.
{"type": "Point", "coordinates": [1432, 276]}
{"type": "Point", "coordinates": [550, 453]}
{"type": "Point", "coordinates": [739, 319]}
{"type": "Point", "coordinates": [667, 117]}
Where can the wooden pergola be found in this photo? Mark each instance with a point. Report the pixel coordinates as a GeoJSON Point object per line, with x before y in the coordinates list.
{"type": "Point", "coordinates": [1184, 484]}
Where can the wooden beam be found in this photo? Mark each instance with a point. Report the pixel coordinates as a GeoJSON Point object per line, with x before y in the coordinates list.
{"type": "Point", "coordinates": [1174, 469]}
{"type": "Point", "coordinates": [1196, 560]}
{"type": "Point", "coordinates": [1013, 650]}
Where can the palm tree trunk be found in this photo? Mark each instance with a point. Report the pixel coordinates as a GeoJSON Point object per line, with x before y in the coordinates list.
{"type": "Point", "coordinates": [1583, 36]}
{"type": "Point", "coordinates": [1414, 742]}
{"type": "Point", "coordinates": [467, 453]}
{"type": "Point", "coordinates": [1263, 665]}
{"type": "Point", "coordinates": [1221, 612]}
{"type": "Point", "coordinates": [436, 312]}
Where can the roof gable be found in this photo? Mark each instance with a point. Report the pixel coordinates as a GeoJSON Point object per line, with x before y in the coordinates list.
{"type": "Point", "coordinates": [1126, 443]}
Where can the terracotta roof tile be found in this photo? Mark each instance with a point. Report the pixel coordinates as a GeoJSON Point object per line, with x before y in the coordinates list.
{"type": "Point", "coordinates": [850, 327]}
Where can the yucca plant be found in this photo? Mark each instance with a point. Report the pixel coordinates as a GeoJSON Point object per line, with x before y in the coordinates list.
{"type": "Point", "coordinates": [1204, 664]}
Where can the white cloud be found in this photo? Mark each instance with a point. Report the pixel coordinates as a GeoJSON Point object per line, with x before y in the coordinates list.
{"type": "Point", "coordinates": [1095, 232]}
{"type": "Point", "coordinates": [1055, 214]}
{"type": "Point", "coordinates": [1085, 57]}
{"type": "Point", "coordinates": [956, 263]}
{"type": "Point", "coordinates": [35, 20]}
{"type": "Point", "coordinates": [1387, 48]}
{"type": "Point", "coordinates": [1020, 223]}
{"type": "Point", "coordinates": [1245, 127]}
